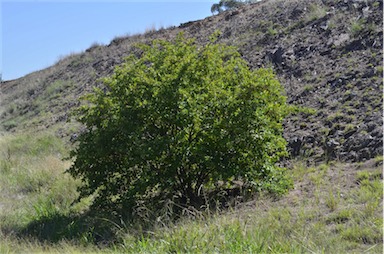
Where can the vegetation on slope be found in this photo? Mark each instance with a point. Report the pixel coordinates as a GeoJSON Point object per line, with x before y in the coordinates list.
{"type": "Point", "coordinates": [327, 54]}
{"type": "Point", "coordinates": [334, 208]}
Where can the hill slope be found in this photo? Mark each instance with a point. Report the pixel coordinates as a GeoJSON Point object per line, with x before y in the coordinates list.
{"type": "Point", "coordinates": [327, 54]}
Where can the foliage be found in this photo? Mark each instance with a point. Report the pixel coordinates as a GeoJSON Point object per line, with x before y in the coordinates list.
{"type": "Point", "coordinates": [297, 223]}
{"type": "Point", "coordinates": [175, 120]}
{"type": "Point", "coordinates": [224, 5]}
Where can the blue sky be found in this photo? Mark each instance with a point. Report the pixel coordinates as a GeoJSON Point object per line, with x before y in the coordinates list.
{"type": "Point", "coordinates": [35, 34]}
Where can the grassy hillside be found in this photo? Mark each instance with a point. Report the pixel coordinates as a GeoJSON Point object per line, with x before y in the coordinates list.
{"type": "Point", "coordinates": [334, 208]}
{"type": "Point", "coordinates": [327, 55]}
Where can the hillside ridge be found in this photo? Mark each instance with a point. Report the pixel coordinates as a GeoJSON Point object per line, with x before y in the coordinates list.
{"type": "Point", "coordinates": [327, 54]}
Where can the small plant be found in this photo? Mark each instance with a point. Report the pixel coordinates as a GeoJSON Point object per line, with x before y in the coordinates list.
{"type": "Point", "coordinates": [150, 29]}
{"type": "Point", "coordinates": [323, 167]}
{"type": "Point", "coordinates": [379, 70]}
{"type": "Point", "coordinates": [379, 159]}
{"type": "Point", "coordinates": [9, 125]}
{"type": "Point", "coordinates": [272, 32]}
{"type": "Point", "coordinates": [316, 12]}
{"type": "Point", "coordinates": [362, 235]}
{"type": "Point", "coordinates": [364, 177]}
{"type": "Point", "coordinates": [341, 216]}
{"type": "Point", "coordinates": [356, 28]}
{"type": "Point", "coordinates": [331, 201]}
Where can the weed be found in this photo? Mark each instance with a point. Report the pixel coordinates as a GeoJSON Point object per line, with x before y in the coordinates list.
{"type": "Point", "coordinates": [9, 125]}
{"type": "Point", "coordinates": [308, 88]}
{"type": "Point", "coordinates": [357, 27]}
{"type": "Point", "coordinates": [364, 235]}
{"type": "Point", "coordinates": [272, 32]}
{"type": "Point", "coordinates": [331, 201]}
{"type": "Point", "coordinates": [341, 216]}
{"type": "Point", "coordinates": [323, 167]}
{"type": "Point", "coordinates": [379, 70]}
{"type": "Point", "coordinates": [316, 12]}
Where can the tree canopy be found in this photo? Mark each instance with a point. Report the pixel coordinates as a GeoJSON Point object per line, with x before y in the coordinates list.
{"type": "Point", "coordinates": [175, 120]}
{"type": "Point", "coordinates": [224, 5]}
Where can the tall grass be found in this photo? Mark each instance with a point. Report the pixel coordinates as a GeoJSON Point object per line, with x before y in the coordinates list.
{"type": "Point", "coordinates": [294, 224]}
{"type": "Point", "coordinates": [32, 180]}
{"type": "Point", "coordinates": [334, 208]}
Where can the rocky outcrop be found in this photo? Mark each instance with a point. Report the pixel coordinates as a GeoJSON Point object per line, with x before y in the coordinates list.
{"type": "Point", "coordinates": [326, 53]}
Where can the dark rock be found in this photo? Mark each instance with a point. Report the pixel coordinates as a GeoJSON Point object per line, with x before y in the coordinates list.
{"type": "Point", "coordinates": [331, 148]}
{"type": "Point", "coordinates": [296, 12]}
{"type": "Point", "coordinates": [355, 45]}
{"type": "Point", "coordinates": [310, 140]}
{"type": "Point", "coordinates": [371, 126]}
{"type": "Point", "coordinates": [368, 73]}
{"type": "Point", "coordinates": [277, 56]}
{"type": "Point", "coordinates": [73, 137]}
{"type": "Point", "coordinates": [378, 132]}
{"type": "Point", "coordinates": [351, 156]}
{"type": "Point", "coordinates": [364, 154]}
{"type": "Point", "coordinates": [337, 82]}
{"type": "Point", "coordinates": [231, 14]}
{"type": "Point", "coordinates": [349, 133]}
{"type": "Point", "coordinates": [294, 145]}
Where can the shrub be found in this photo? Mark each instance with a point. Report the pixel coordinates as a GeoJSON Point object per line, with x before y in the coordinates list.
{"type": "Point", "coordinates": [175, 120]}
{"type": "Point", "coordinates": [224, 5]}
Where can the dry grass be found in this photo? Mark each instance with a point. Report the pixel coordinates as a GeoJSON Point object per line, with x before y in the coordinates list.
{"type": "Point", "coordinates": [334, 208]}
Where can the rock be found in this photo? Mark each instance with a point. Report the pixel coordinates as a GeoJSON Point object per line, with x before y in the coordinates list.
{"type": "Point", "coordinates": [324, 26]}
{"type": "Point", "coordinates": [341, 39]}
{"type": "Point", "coordinates": [351, 156]}
{"type": "Point", "coordinates": [296, 12]}
{"type": "Point", "coordinates": [366, 12]}
{"type": "Point", "coordinates": [330, 149]}
{"type": "Point", "coordinates": [294, 145]}
{"type": "Point", "coordinates": [310, 140]}
{"type": "Point", "coordinates": [73, 137]}
{"type": "Point", "coordinates": [364, 154]}
{"type": "Point", "coordinates": [371, 126]}
{"type": "Point", "coordinates": [349, 133]}
{"type": "Point", "coordinates": [277, 56]}
{"type": "Point", "coordinates": [332, 144]}
{"type": "Point", "coordinates": [231, 14]}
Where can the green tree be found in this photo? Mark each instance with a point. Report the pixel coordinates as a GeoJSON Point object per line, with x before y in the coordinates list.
{"type": "Point", "coordinates": [224, 5]}
{"type": "Point", "coordinates": [176, 119]}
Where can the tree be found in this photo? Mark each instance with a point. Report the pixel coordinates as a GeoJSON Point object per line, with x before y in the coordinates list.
{"type": "Point", "coordinates": [176, 119]}
{"type": "Point", "coordinates": [224, 5]}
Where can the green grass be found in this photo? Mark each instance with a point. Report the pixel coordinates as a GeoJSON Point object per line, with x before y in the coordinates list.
{"type": "Point", "coordinates": [334, 208]}
{"type": "Point", "coordinates": [32, 180]}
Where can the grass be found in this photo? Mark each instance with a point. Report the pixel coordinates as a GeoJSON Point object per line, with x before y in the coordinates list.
{"type": "Point", "coordinates": [32, 183]}
{"type": "Point", "coordinates": [316, 12]}
{"type": "Point", "coordinates": [334, 208]}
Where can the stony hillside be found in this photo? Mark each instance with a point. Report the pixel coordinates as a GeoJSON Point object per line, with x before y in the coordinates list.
{"type": "Point", "coordinates": [327, 54]}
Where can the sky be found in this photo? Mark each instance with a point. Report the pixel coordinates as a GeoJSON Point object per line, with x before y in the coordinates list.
{"type": "Point", "coordinates": [36, 34]}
